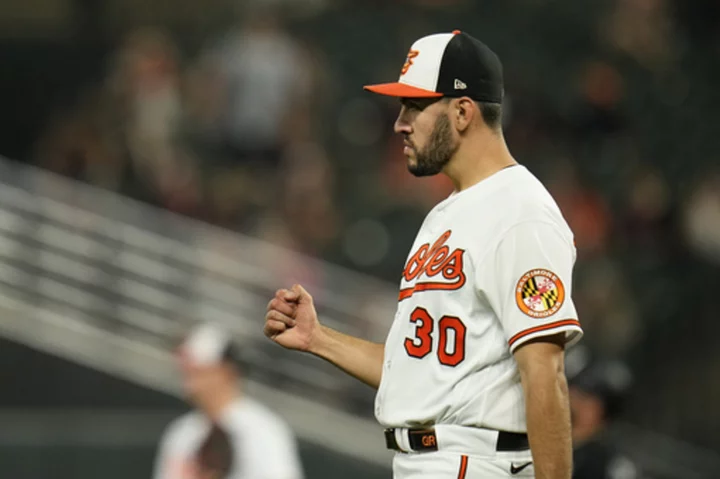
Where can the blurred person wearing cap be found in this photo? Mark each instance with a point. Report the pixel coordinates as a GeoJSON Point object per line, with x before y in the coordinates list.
{"type": "Point", "coordinates": [228, 435]}
{"type": "Point", "coordinates": [598, 389]}
{"type": "Point", "coordinates": [470, 380]}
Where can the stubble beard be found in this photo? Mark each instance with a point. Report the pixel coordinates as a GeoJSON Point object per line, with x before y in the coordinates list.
{"type": "Point", "coordinates": [437, 153]}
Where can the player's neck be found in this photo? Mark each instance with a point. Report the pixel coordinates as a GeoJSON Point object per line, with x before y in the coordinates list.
{"type": "Point", "coordinates": [214, 405]}
{"type": "Point", "coordinates": [478, 158]}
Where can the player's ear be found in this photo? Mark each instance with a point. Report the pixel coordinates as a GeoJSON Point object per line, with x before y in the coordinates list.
{"type": "Point", "coordinates": [463, 113]}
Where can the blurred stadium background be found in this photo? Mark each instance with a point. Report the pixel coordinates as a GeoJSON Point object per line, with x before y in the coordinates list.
{"type": "Point", "coordinates": [171, 161]}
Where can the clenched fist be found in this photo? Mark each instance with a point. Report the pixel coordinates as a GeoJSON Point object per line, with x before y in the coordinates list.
{"type": "Point", "coordinates": [291, 319]}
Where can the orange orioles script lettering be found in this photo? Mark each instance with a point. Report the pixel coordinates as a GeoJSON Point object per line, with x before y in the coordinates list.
{"type": "Point", "coordinates": [432, 262]}
{"type": "Point", "coordinates": [409, 61]}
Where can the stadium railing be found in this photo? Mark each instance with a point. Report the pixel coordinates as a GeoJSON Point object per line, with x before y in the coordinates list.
{"type": "Point", "coordinates": [112, 283]}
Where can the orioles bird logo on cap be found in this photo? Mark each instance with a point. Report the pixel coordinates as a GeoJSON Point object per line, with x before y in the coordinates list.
{"type": "Point", "coordinates": [409, 61]}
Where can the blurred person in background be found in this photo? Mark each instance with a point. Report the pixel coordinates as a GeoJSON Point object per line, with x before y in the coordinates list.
{"type": "Point", "coordinates": [609, 309]}
{"type": "Point", "coordinates": [124, 133]}
{"type": "Point", "coordinates": [228, 435]}
{"type": "Point", "coordinates": [249, 95]}
{"type": "Point", "coordinates": [702, 218]}
{"type": "Point", "coordinates": [642, 29]}
{"type": "Point", "coordinates": [583, 208]}
{"type": "Point", "coordinates": [264, 79]}
{"type": "Point", "coordinates": [598, 389]}
{"type": "Point", "coordinates": [305, 218]}
{"type": "Point", "coordinates": [78, 142]}
{"type": "Point", "coordinates": [649, 220]}
{"type": "Point", "coordinates": [146, 83]}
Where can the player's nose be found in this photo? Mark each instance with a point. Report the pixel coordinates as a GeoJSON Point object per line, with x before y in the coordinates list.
{"type": "Point", "coordinates": [401, 124]}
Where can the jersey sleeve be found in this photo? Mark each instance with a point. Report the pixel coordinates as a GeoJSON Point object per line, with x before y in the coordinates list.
{"type": "Point", "coordinates": [528, 283]}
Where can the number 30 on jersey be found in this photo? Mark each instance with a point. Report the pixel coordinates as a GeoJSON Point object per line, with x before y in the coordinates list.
{"type": "Point", "coordinates": [451, 343]}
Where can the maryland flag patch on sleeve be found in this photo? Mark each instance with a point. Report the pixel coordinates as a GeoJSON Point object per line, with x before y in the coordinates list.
{"type": "Point", "coordinates": [540, 293]}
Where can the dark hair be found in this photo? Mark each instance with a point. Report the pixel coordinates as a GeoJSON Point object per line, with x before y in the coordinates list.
{"type": "Point", "coordinates": [233, 355]}
{"type": "Point", "coordinates": [492, 114]}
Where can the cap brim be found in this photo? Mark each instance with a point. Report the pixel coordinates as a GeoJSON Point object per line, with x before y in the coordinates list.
{"type": "Point", "coordinates": [401, 90]}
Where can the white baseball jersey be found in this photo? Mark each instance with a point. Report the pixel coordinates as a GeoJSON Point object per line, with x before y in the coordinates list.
{"type": "Point", "coordinates": [263, 445]}
{"type": "Point", "coordinates": [489, 270]}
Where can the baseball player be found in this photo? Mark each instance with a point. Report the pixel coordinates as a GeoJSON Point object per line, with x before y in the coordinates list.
{"type": "Point", "coordinates": [598, 389]}
{"type": "Point", "coordinates": [471, 379]}
{"type": "Point", "coordinates": [229, 436]}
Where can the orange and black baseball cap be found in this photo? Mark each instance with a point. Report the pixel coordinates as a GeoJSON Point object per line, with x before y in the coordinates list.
{"type": "Point", "coordinates": [448, 65]}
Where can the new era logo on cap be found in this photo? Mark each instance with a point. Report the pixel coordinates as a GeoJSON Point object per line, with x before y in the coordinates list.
{"type": "Point", "coordinates": [448, 64]}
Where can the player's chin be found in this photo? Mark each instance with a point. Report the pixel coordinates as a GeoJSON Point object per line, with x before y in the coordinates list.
{"type": "Point", "coordinates": [421, 171]}
{"type": "Point", "coordinates": [411, 160]}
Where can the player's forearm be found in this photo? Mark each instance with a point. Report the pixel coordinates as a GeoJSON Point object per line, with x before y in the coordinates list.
{"type": "Point", "coordinates": [357, 357]}
{"type": "Point", "coordinates": [548, 419]}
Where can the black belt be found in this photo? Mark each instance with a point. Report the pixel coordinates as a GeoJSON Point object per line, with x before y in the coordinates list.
{"type": "Point", "coordinates": [426, 440]}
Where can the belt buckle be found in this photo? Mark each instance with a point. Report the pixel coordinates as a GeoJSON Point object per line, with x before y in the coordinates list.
{"type": "Point", "coordinates": [423, 439]}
